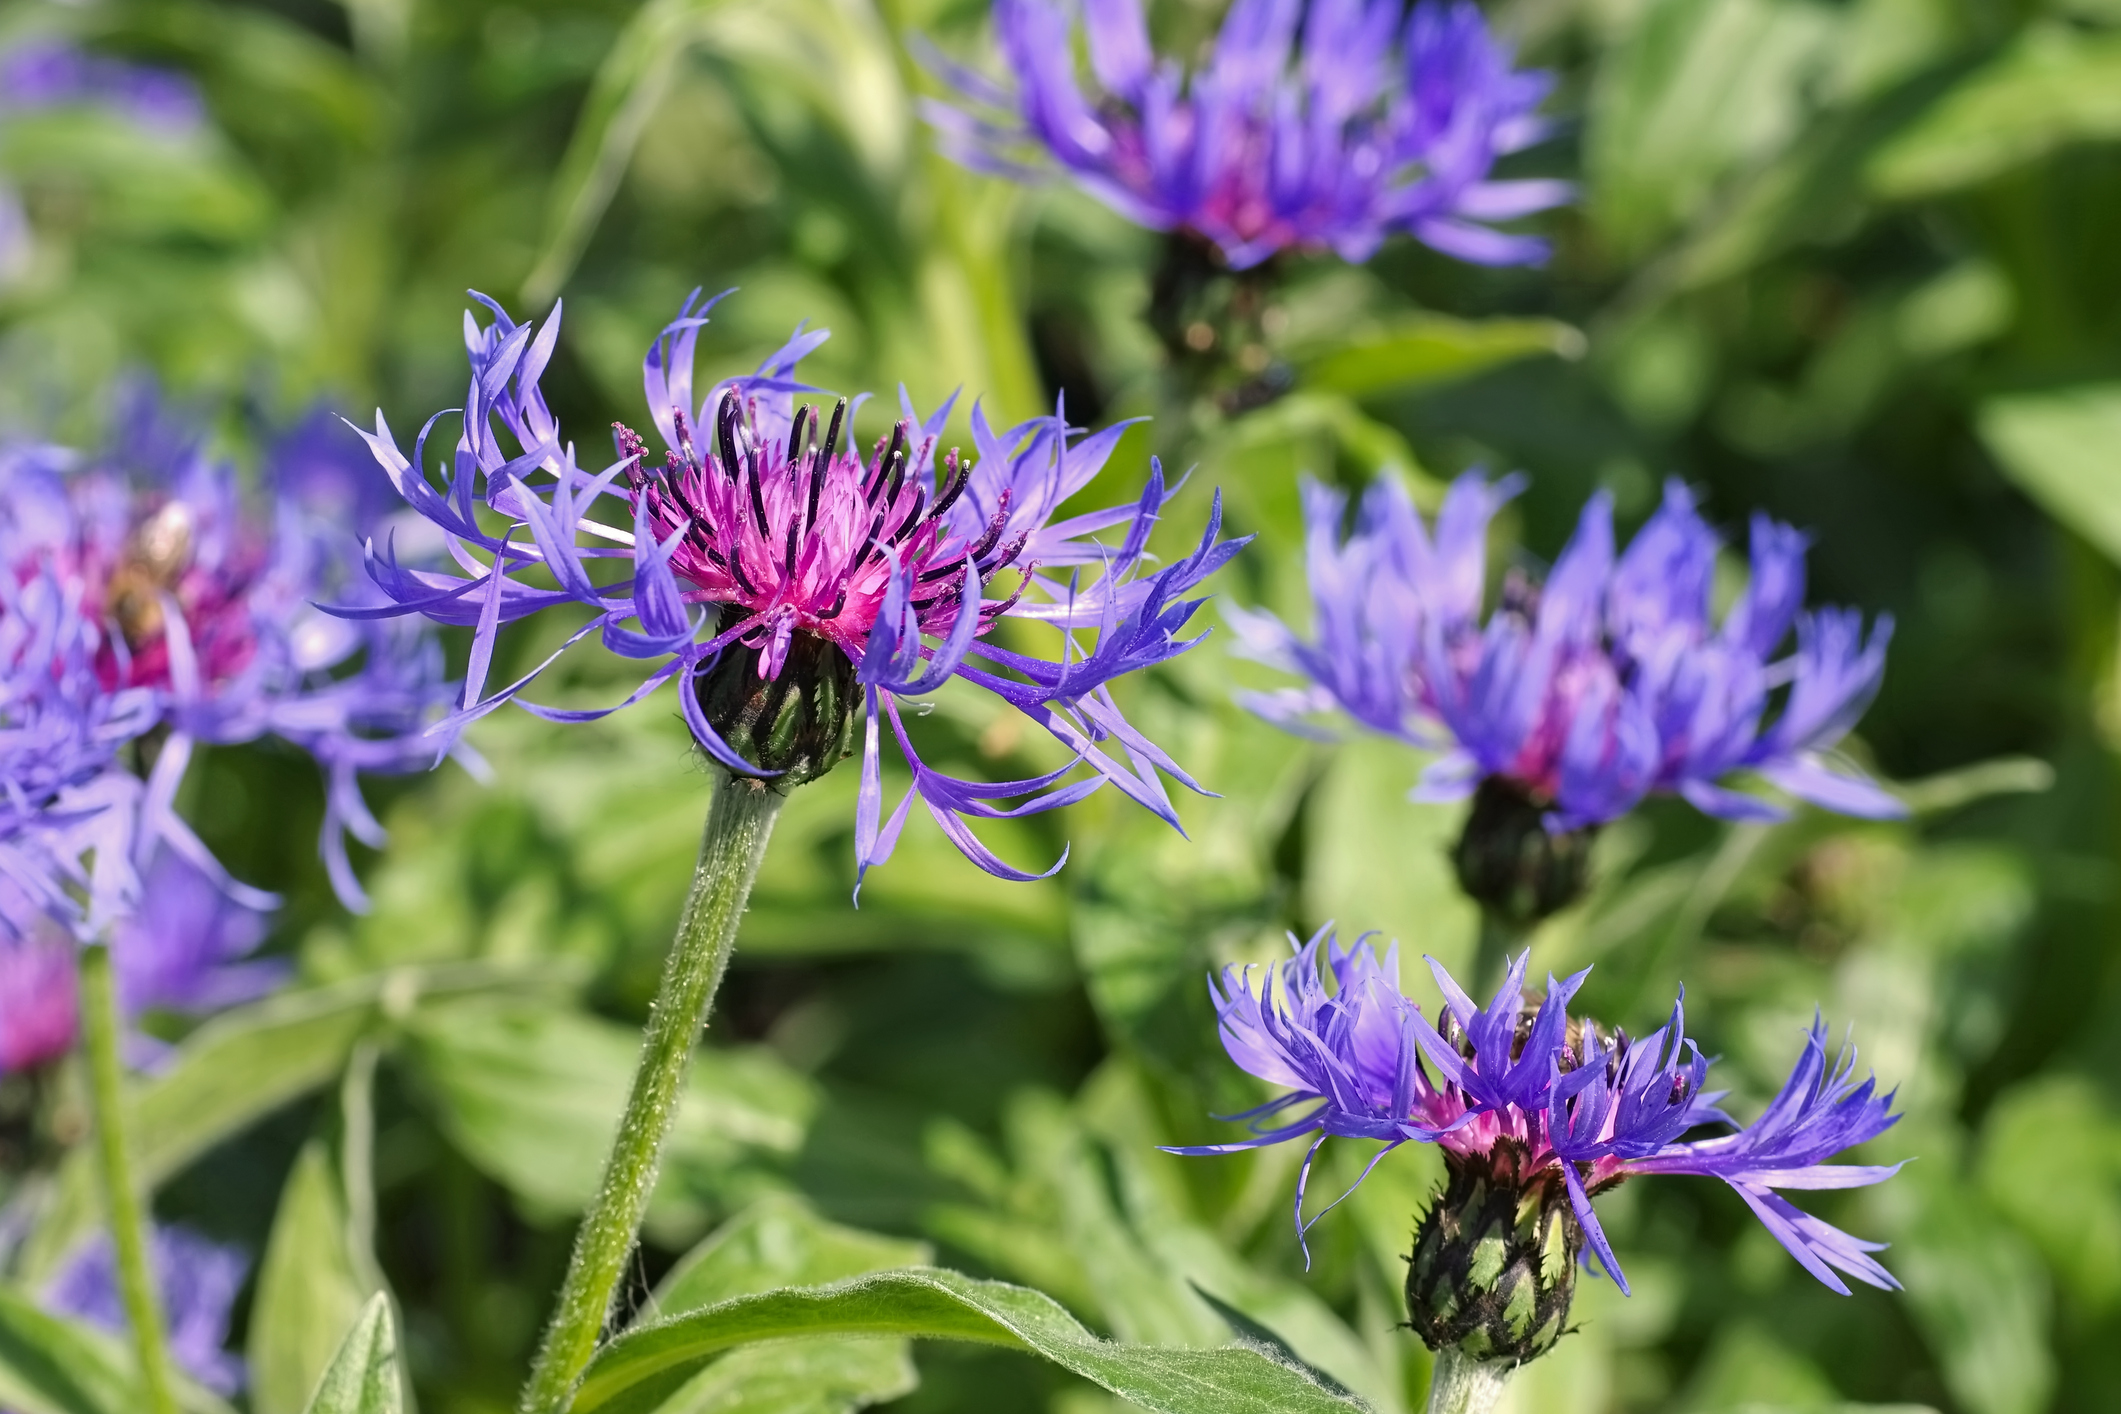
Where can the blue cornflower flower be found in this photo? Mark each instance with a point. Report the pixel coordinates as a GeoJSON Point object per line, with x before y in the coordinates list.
{"type": "Point", "coordinates": [782, 581]}
{"type": "Point", "coordinates": [1584, 694]}
{"type": "Point", "coordinates": [1364, 126]}
{"type": "Point", "coordinates": [51, 73]}
{"type": "Point", "coordinates": [198, 1280]}
{"type": "Point", "coordinates": [67, 807]}
{"type": "Point", "coordinates": [187, 948]}
{"type": "Point", "coordinates": [1535, 1113]}
{"type": "Point", "coordinates": [179, 612]}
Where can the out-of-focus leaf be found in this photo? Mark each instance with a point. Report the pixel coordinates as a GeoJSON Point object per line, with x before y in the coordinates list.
{"type": "Point", "coordinates": [928, 1303]}
{"type": "Point", "coordinates": [2058, 446]}
{"type": "Point", "coordinates": [2053, 86]}
{"type": "Point", "coordinates": [1382, 861]}
{"type": "Point", "coordinates": [241, 1066]}
{"type": "Point", "coordinates": [363, 1376]}
{"type": "Point", "coordinates": [778, 1241]}
{"type": "Point", "coordinates": [49, 1365]}
{"type": "Point", "coordinates": [311, 1290]}
{"type": "Point", "coordinates": [2050, 1161]}
{"type": "Point", "coordinates": [1748, 1368]}
{"type": "Point", "coordinates": [137, 184]}
{"type": "Point", "coordinates": [532, 1094]}
{"type": "Point", "coordinates": [270, 71]}
{"type": "Point", "coordinates": [630, 84]}
{"type": "Point", "coordinates": [1698, 90]}
{"type": "Point", "coordinates": [1423, 350]}
{"type": "Point", "coordinates": [1977, 1292]}
{"type": "Point", "coordinates": [52, 1365]}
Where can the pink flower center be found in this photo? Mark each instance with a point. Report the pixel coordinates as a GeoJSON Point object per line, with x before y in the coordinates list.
{"type": "Point", "coordinates": [158, 567]}
{"type": "Point", "coordinates": [805, 539]}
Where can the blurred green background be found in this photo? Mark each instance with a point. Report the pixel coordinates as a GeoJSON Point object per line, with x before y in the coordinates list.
{"type": "Point", "coordinates": [1852, 263]}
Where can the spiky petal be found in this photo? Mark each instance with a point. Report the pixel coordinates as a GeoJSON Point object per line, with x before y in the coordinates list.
{"type": "Point", "coordinates": [1333, 132]}
{"type": "Point", "coordinates": [1605, 683]}
{"type": "Point", "coordinates": [761, 525]}
{"type": "Point", "coordinates": [1518, 1088]}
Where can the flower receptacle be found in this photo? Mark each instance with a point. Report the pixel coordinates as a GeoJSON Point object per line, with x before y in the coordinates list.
{"type": "Point", "coordinates": [1511, 864]}
{"type": "Point", "coordinates": [1494, 1261]}
{"type": "Point", "coordinates": [800, 723]}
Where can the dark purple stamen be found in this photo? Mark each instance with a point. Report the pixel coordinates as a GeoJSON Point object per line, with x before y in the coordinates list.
{"type": "Point", "coordinates": [728, 433]}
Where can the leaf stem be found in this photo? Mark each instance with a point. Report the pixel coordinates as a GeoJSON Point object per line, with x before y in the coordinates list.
{"type": "Point", "coordinates": [738, 824]}
{"type": "Point", "coordinates": [121, 1200]}
{"type": "Point", "coordinates": [1464, 1385]}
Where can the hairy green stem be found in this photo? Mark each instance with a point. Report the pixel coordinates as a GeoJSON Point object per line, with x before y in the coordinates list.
{"type": "Point", "coordinates": [121, 1200]}
{"type": "Point", "coordinates": [738, 823]}
{"type": "Point", "coordinates": [1500, 939]}
{"type": "Point", "coordinates": [1464, 1385]}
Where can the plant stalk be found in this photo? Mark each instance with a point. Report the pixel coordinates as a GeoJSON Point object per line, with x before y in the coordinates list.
{"type": "Point", "coordinates": [1464, 1385]}
{"type": "Point", "coordinates": [738, 823]}
{"type": "Point", "coordinates": [100, 1033]}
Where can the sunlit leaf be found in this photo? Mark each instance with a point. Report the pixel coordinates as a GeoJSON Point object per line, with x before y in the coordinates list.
{"type": "Point", "coordinates": [778, 1241]}
{"type": "Point", "coordinates": [1422, 350]}
{"type": "Point", "coordinates": [2053, 86]}
{"type": "Point", "coordinates": [363, 1376]}
{"type": "Point", "coordinates": [311, 1291]}
{"type": "Point", "coordinates": [928, 1303]}
{"type": "Point", "coordinates": [2058, 446]}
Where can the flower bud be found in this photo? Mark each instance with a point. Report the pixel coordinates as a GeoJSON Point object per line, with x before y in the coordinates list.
{"type": "Point", "coordinates": [1494, 1259]}
{"type": "Point", "coordinates": [800, 722]}
{"type": "Point", "coordinates": [1512, 864]}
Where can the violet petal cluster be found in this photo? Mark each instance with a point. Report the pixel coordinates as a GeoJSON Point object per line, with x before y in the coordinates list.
{"type": "Point", "coordinates": [53, 73]}
{"type": "Point", "coordinates": [762, 528]}
{"type": "Point", "coordinates": [1364, 1061]}
{"type": "Point", "coordinates": [198, 1280]}
{"type": "Point", "coordinates": [147, 607]}
{"type": "Point", "coordinates": [1333, 124]}
{"type": "Point", "coordinates": [1609, 681]}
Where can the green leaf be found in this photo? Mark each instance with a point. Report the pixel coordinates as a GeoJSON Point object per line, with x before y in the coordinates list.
{"type": "Point", "coordinates": [532, 1094]}
{"type": "Point", "coordinates": [1976, 1291]}
{"type": "Point", "coordinates": [238, 1068]}
{"type": "Point", "coordinates": [52, 1365]}
{"type": "Point", "coordinates": [1696, 92]}
{"type": "Point", "coordinates": [629, 85]}
{"type": "Point", "coordinates": [2050, 88]}
{"type": "Point", "coordinates": [2050, 1160]}
{"type": "Point", "coordinates": [311, 1290]}
{"type": "Point", "coordinates": [929, 1303]}
{"type": "Point", "coordinates": [2058, 446]}
{"type": "Point", "coordinates": [49, 1365]}
{"type": "Point", "coordinates": [1422, 350]}
{"type": "Point", "coordinates": [778, 1241]}
{"type": "Point", "coordinates": [363, 1377]}
{"type": "Point", "coordinates": [139, 186]}
{"type": "Point", "coordinates": [1381, 857]}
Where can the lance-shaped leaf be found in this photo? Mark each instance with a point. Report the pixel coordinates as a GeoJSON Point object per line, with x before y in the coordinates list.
{"type": "Point", "coordinates": [637, 1372]}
